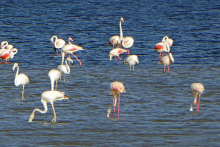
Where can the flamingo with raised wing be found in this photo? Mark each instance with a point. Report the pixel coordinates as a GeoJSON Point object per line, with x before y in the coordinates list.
{"type": "Point", "coordinates": [116, 88]}
{"type": "Point", "coordinates": [164, 46]}
{"type": "Point", "coordinates": [197, 89]}
{"type": "Point", "coordinates": [49, 97]}
{"type": "Point", "coordinates": [20, 79]}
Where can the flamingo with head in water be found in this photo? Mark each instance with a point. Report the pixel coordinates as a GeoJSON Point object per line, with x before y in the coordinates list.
{"type": "Point", "coordinates": [166, 61]}
{"type": "Point", "coordinates": [49, 97]}
{"type": "Point", "coordinates": [197, 89]}
{"type": "Point", "coordinates": [54, 75]}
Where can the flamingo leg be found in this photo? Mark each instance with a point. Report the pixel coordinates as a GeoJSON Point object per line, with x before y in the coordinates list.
{"type": "Point", "coordinates": [113, 105]}
{"type": "Point", "coordinates": [119, 57]}
{"type": "Point", "coordinates": [128, 51]}
{"type": "Point", "coordinates": [56, 86]}
{"type": "Point", "coordinates": [77, 59]}
{"type": "Point", "coordinates": [22, 92]}
{"type": "Point", "coordinates": [55, 116]}
{"type": "Point", "coordinates": [198, 104]}
{"type": "Point", "coordinates": [164, 68]}
{"type": "Point", "coordinates": [115, 58]}
{"type": "Point", "coordinates": [118, 104]}
{"type": "Point", "coordinates": [168, 68]}
{"type": "Point", "coordinates": [160, 55]}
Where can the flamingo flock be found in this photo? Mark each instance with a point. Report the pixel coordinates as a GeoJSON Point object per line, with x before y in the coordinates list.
{"type": "Point", "coordinates": [120, 45]}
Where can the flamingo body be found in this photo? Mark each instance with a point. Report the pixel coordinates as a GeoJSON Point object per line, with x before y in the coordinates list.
{"type": "Point", "coordinates": [166, 60]}
{"type": "Point", "coordinates": [20, 79]}
{"type": "Point", "coordinates": [197, 89]}
{"type": "Point", "coordinates": [54, 75]}
{"type": "Point", "coordinates": [131, 60]}
{"type": "Point", "coordinates": [116, 52]}
{"type": "Point", "coordinates": [116, 88]}
{"type": "Point", "coordinates": [49, 97]}
{"type": "Point", "coordinates": [164, 46]}
{"type": "Point", "coordinates": [114, 40]}
{"type": "Point", "coordinates": [58, 43]}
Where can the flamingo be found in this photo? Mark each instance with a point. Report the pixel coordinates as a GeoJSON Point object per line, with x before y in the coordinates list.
{"type": "Point", "coordinates": [20, 79]}
{"type": "Point", "coordinates": [197, 89]}
{"type": "Point", "coordinates": [164, 46]}
{"type": "Point", "coordinates": [5, 54]}
{"type": "Point", "coordinates": [65, 68]}
{"type": "Point", "coordinates": [115, 40]}
{"type": "Point", "coordinates": [126, 42]}
{"type": "Point", "coordinates": [71, 48]}
{"type": "Point", "coordinates": [131, 60]}
{"type": "Point", "coordinates": [116, 88]}
{"type": "Point", "coordinates": [58, 43]}
{"type": "Point", "coordinates": [54, 75]}
{"type": "Point", "coordinates": [116, 52]}
{"type": "Point", "coordinates": [166, 60]}
{"type": "Point", "coordinates": [49, 97]}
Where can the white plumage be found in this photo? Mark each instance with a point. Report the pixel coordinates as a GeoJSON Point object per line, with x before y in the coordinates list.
{"type": "Point", "coordinates": [131, 60]}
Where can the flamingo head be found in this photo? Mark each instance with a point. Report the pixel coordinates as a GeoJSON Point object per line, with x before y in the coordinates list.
{"type": "Point", "coordinates": [109, 111]}
{"type": "Point", "coordinates": [122, 19]}
{"type": "Point", "coordinates": [4, 44]}
{"type": "Point", "coordinates": [171, 57]}
{"type": "Point", "coordinates": [15, 65]}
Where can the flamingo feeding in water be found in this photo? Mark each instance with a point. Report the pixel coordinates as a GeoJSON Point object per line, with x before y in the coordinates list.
{"type": "Point", "coordinates": [116, 88]}
{"type": "Point", "coordinates": [126, 42]}
{"type": "Point", "coordinates": [71, 48]}
{"type": "Point", "coordinates": [115, 40]}
{"type": "Point", "coordinates": [166, 60]}
{"type": "Point", "coordinates": [49, 97]}
{"type": "Point", "coordinates": [197, 89]}
{"type": "Point", "coordinates": [20, 79]}
{"type": "Point", "coordinates": [131, 60]}
{"type": "Point", "coordinates": [65, 69]}
{"type": "Point", "coordinates": [57, 43]}
{"type": "Point", "coordinates": [54, 75]}
{"type": "Point", "coordinates": [116, 52]}
{"type": "Point", "coordinates": [164, 46]}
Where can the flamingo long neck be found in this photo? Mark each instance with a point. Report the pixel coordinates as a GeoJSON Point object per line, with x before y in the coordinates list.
{"type": "Point", "coordinates": [63, 54]}
{"type": "Point", "coordinates": [55, 42]}
{"type": "Point", "coordinates": [52, 84]}
{"type": "Point", "coordinates": [37, 109]}
{"type": "Point", "coordinates": [121, 33]}
{"type": "Point", "coordinates": [16, 73]}
{"type": "Point", "coordinates": [67, 67]}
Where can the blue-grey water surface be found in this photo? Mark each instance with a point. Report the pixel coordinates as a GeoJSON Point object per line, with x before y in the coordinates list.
{"type": "Point", "coordinates": [154, 111]}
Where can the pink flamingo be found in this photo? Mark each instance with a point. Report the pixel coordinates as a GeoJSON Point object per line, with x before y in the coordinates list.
{"type": "Point", "coordinates": [5, 54]}
{"type": "Point", "coordinates": [126, 42]}
{"type": "Point", "coordinates": [116, 52]}
{"type": "Point", "coordinates": [197, 89]}
{"type": "Point", "coordinates": [164, 46]}
{"type": "Point", "coordinates": [58, 43]}
{"type": "Point", "coordinates": [71, 48]}
{"type": "Point", "coordinates": [115, 40]}
{"type": "Point", "coordinates": [116, 88]}
{"type": "Point", "coordinates": [166, 60]}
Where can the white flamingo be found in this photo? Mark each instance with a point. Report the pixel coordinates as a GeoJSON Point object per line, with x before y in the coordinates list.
{"type": "Point", "coordinates": [131, 60]}
{"type": "Point", "coordinates": [65, 69]}
{"type": "Point", "coordinates": [166, 60]}
{"type": "Point", "coordinates": [20, 79]}
{"type": "Point", "coordinates": [197, 89]}
{"type": "Point", "coordinates": [126, 42]}
{"type": "Point", "coordinates": [54, 75]}
{"type": "Point", "coordinates": [115, 40]}
{"type": "Point", "coordinates": [116, 52]}
{"type": "Point", "coordinates": [58, 43]}
{"type": "Point", "coordinates": [49, 97]}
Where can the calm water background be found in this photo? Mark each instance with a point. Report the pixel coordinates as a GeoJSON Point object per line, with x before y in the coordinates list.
{"type": "Point", "coordinates": [154, 109]}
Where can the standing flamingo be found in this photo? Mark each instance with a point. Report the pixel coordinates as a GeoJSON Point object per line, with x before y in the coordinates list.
{"type": "Point", "coordinates": [20, 79]}
{"type": "Point", "coordinates": [65, 69]}
{"type": "Point", "coordinates": [197, 89]}
{"type": "Point", "coordinates": [116, 88]}
{"type": "Point", "coordinates": [70, 49]}
{"type": "Point", "coordinates": [49, 97]}
{"type": "Point", "coordinates": [115, 40]}
{"type": "Point", "coordinates": [54, 75]}
{"type": "Point", "coordinates": [126, 42]}
{"type": "Point", "coordinates": [131, 60]}
{"type": "Point", "coordinates": [8, 53]}
{"type": "Point", "coordinates": [58, 43]}
{"type": "Point", "coordinates": [116, 52]}
{"type": "Point", "coordinates": [166, 60]}
{"type": "Point", "coordinates": [164, 46]}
